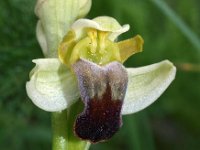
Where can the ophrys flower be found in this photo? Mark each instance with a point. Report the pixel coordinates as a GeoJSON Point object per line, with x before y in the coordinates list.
{"type": "Point", "coordinates": [91, 55]}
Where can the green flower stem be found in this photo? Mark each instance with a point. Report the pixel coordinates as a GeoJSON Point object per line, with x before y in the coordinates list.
{"type": "Point", "coordinates": [59, 125]}
{"type": "Point", "coordinates": [62, 126]}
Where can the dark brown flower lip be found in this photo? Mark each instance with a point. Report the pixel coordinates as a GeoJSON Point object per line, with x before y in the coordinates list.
{"type": "Point", "coordinates": [102, 90]}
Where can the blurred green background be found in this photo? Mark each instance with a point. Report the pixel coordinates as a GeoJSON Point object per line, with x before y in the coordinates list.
{"type": "Point", "coordinates": [170, 29]}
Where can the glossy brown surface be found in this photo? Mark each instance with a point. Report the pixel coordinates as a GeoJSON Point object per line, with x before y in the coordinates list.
{"type": "Point", "coordinates": [100, 120]}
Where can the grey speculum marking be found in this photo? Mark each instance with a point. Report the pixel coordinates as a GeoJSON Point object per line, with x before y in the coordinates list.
{"type": "Point", "coordinates": [102, 90]}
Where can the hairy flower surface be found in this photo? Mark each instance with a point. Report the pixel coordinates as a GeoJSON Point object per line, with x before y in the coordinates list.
{"type": "Point", "coordinates": [90, 67]}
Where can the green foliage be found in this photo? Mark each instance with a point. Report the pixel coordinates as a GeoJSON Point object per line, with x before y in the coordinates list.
{"type": "Point", "coordinates": [170, 123]}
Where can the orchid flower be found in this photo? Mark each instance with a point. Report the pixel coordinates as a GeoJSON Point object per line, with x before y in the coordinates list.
{"type": "Point", "coordinates": [89, 66]}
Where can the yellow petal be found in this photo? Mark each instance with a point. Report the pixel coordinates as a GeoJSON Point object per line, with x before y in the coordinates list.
{"type": "Point", "coordinates": [66, 47]}
{"type": "Point", "coordinates": [130, 47]}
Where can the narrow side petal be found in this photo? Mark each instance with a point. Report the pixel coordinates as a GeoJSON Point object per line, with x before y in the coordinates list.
{"type": "Point", "coordinates": [146, 84]}
{"type": "Point", "coordinates": [130, 46]}
{"type": "Point", "coordinates": [52, 86]}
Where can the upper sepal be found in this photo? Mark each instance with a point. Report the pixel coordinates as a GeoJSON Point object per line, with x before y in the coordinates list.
{"type": "Point", "coordinates": [56, 17]}
{"type": "Point", "coordinates": [84, 7]}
